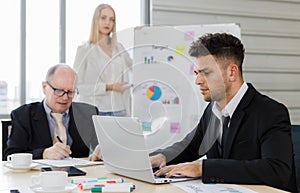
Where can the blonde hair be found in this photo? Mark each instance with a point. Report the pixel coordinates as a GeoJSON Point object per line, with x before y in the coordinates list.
{"type": "Point", "coordinates": [94, 34]}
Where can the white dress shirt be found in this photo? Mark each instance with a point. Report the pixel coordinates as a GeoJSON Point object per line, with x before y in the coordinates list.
{"type": "Point", "coordinates": [95, 69]}
{"type": "Point", "coordinates": [229, 108]}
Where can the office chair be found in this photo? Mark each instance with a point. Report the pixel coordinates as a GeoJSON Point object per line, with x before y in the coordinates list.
{"type": "Point", "coordinates": [296, 146]}
{"type": "Point", "coordinates": [6, 129]}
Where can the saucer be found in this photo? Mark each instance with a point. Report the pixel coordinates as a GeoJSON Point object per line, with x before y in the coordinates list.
{"type": "Point", "coordinates": [20, 169]}
{"type": "Point", "coordinates": [68, 188]}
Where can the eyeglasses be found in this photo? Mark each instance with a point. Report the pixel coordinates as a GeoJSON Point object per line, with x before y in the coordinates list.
{"type": "Point", "coordinates": [60, 92]}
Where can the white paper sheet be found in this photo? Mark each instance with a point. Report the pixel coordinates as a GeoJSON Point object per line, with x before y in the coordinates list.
{"type": "Point", "coordinates": [67, 162]}
{"type": "Point", "coordinates": [196, 186]}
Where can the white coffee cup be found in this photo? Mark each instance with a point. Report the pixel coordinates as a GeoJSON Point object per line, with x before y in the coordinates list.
{"type": "Point", "coordinates": [20, 160]}
{"type": "Point", "coordinates": [51, 181]}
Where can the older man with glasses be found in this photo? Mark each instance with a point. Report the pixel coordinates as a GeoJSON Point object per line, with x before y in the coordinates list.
{"type": "Point", "coordinates": [56, 127]}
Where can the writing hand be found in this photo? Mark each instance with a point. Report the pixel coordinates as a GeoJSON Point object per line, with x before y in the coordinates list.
{"type": "Point", "coordinates": [57, 151]}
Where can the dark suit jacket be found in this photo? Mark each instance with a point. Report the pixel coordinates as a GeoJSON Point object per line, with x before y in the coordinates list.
{"type": "Point", "coordinates": [258, 150]}
{"type": "Point", "coordinates": [31, 133]}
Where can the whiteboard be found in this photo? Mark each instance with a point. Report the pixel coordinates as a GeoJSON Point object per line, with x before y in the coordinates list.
{"type": "Point", "coordinates": [164, 95]}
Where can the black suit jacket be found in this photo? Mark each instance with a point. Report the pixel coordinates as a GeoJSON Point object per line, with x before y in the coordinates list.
{"type": "Point", "coordinates": [258, 150]}
{"type": "Point", "coordinates": [30, 130]}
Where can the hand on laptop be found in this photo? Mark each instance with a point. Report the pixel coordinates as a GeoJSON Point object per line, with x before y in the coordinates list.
{"type": "Point", "coordinates": [189, 169]}
{"type": "Point", "coordinates": [96, 155]}
{"type": "Point", "coordinates": [158, 160]}
{"type": "Point", "coordinates": [57, 151]}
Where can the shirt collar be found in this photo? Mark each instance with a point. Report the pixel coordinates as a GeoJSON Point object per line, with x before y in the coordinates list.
{"type": "Point", "coordinates": [48, 110]}
{"type": "Point", "coordinates": [233, 103]}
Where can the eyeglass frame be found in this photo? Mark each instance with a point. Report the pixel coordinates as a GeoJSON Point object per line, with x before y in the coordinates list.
{"type": "Point", "coordinates": [63, 92]}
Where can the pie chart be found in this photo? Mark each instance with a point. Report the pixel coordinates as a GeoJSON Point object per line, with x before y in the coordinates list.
{"type": "Point", "coordinates": [170, 58]}
{"type": "Point", "coordinates": [154, 93]}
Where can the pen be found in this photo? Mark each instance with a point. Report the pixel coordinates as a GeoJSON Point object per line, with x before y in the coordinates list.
{"type": "Point", "coordinates": [112, 189]}
{"type": "Point", "coordinates": [101, 179]}
{"type": "Point", "coordinates": [14, 191]}
{"type": "Point", "coordinates": [58, 138]}
{"type": "Point", "coordinates": [89, 185]}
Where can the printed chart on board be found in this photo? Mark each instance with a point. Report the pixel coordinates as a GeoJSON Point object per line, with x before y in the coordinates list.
{"type": "Point", "coordinates": [164, 96]}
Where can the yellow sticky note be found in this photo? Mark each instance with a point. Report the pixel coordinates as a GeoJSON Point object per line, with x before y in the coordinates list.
{"type": "Point", "coordinates": [180, 49]}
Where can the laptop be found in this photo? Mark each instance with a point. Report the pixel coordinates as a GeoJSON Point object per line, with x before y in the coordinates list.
{"type": "Point", "coordinates": [124, 149]}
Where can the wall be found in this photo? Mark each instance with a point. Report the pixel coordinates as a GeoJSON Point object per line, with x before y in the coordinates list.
{"type": "Point", "coordinates": [270, 32]}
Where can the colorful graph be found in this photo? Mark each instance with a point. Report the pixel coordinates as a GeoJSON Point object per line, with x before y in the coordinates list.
{"type": "Point", "coordinates": [170, 58]}
{"type": "Point", "coordinates": [172, 101]}
{"type": "Point", "coordinates": [151, 60]}
{"type": "Point", "coordinates": [154, 93]}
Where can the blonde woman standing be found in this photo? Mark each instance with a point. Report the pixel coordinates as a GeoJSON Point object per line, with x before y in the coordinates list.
{"type": "Point", "coordinates": [103, 65]}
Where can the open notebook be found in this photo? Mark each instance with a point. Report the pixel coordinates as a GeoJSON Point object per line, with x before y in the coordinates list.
{"type": "Point", "coordinates": [124, 149]}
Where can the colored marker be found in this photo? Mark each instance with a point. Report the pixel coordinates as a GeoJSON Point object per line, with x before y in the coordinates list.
{"type": "Point", "coordinates": [89, 185]}
{"type": "Point", "coordinates": [111, 189]}
{"type": "Point", "coordinates": [101, 179]}
{"type": "Point", "coordinates": [118, 180]}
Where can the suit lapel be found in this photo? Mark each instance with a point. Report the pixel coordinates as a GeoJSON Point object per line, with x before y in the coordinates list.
{"type": "Point", "coordinates": [40, 124]}
{"type": "Point", "coordinates": [72, 125]}
{"type": "Point", "coordinates": [236, 119]}
{"type": "Point", "coordinates": [234, 126]}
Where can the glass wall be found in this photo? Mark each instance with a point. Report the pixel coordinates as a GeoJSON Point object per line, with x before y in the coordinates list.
{"type": "Point", "coordinates": [79, 18]}
{"type": "Point", "coordinates": [43, 41]}
{"type": "Point", "coordinates": [10, 55]}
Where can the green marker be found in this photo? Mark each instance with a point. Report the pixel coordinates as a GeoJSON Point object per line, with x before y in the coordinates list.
{"type": "Point", "coordinates": [112, 189]}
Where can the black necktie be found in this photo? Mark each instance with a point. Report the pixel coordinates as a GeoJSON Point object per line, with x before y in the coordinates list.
{"type": "Point", "coordinates": [225, 132]}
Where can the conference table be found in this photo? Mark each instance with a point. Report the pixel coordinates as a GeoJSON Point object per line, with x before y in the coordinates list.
{"type": "Point", "coordinates": [9, 180]}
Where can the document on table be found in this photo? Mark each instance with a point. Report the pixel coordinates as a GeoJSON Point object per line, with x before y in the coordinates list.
{"type": "Point", "coordinates": [196, 186]}
{"type": "Point", "coordinates": [67, 162]}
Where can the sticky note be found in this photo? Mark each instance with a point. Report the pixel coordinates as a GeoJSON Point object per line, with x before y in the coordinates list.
{"type": "Point", "coordinates": [192, 69]}
{"type": "Point", "coordinates": [175, 127]}
{"type": "Point", "coordinates": [146, 126]}
{"type": "Point", "coordinates": [189, 36]}
{"type": "Point", "coordinates": [180, 49]}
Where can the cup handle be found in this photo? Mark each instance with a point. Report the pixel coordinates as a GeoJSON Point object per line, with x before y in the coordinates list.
{"type": "Point", "coordinates": [35, 179]}
{"type": "Point", "coordinates": [9, 158]}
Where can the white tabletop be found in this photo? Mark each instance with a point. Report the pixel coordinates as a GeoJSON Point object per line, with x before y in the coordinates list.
{"type": "Point", "coordinates": [22, 181]}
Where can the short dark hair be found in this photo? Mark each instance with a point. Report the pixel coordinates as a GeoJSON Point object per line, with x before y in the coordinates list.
{"type": "Point", "coordinates": [221, 46]}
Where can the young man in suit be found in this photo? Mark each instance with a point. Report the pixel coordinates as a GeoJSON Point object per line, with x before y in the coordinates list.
{"type": "Point", "coordinates": [34, 128]}
{"type": "Point", "coordinates": [254, 147]}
